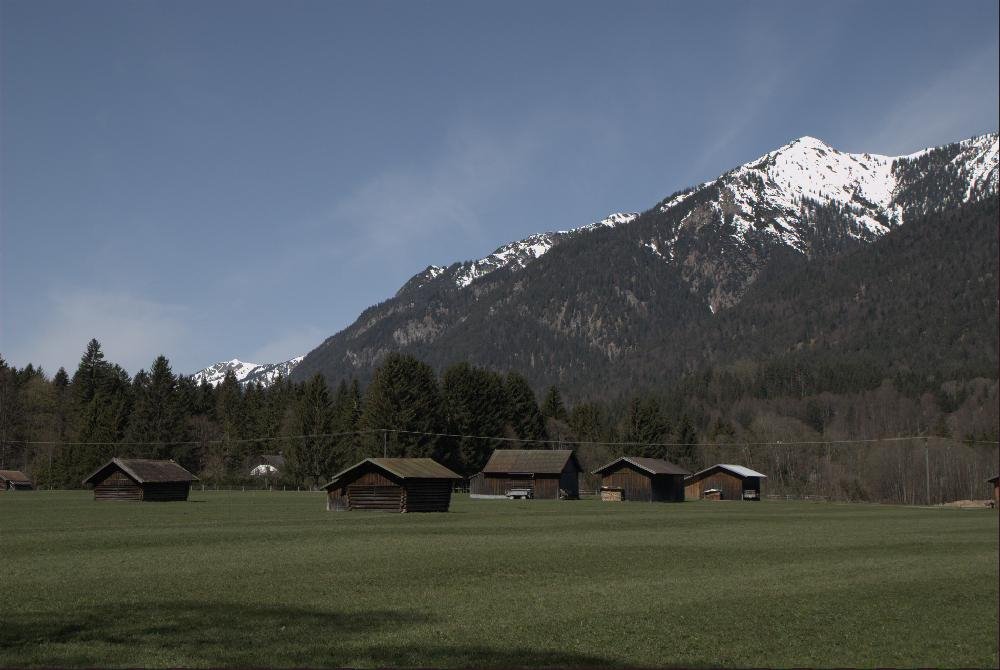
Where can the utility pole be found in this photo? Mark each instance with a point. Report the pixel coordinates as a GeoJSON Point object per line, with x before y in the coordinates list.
{"type": "Point", "coordinates": [927, 470]}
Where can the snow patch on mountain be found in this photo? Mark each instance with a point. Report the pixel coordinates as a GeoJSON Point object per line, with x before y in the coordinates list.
{"type": "Point", "coordinates": [770, 193]}
{"type": "Point", "coordinates": [517, 255]}
{"type": "Point", "coordinates": [977, 163]}
{"type": "Point", "coordinates": [770, 196]}
{"type": "Point", "coordinates": [618, 219]}
{"type": "Point", "coordinates": [246, 373]}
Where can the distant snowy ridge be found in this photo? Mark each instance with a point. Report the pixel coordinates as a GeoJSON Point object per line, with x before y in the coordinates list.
{"type": "Point", "coordinates": [246, 373]}
{"type": "Point", "coordinates": [767, 196]}
{"type": "Point", "coordinates": [515, 256]}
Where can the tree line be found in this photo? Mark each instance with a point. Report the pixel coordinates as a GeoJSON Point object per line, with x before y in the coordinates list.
{"type": "Point", "coordinates": [61, 428]}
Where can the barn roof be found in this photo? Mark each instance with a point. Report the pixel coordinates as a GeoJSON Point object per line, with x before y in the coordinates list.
{"type": "Point", "coordinates": [654, 466]}
{"type": "Point", "coordinates": [541, 461]}
{"type": "Point", "coordinates": [404, 468]}
{"type": "Point", "coordinates": [14, 476]}
{"type": "Point", "coordinates": [145, 471]}
{"type": "Point", "coordinates": [737, 470]}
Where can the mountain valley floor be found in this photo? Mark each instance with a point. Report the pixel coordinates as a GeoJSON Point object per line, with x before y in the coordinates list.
{"type": "Point", "coordinates": [272, 579]}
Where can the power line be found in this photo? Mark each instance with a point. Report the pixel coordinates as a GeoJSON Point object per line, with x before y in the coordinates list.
{"type": "Point", "coordinates": [567, 443]}
{"type": "Point", "coordinates": [698, 444]}
{"type": "Point", "coordinates": [184, 442]}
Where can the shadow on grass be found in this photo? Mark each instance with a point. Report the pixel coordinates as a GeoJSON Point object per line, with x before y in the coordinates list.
{"type": "Point", "coordinates": [185, 634]}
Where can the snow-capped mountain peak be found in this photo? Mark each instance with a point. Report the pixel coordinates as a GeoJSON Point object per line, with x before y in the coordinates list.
{"type": "Point", "coordinates": [772, 189]}
{"type": "Point", "coordinates": [246, 373]}
{"type": "Point", "coordinates": [809, 142]}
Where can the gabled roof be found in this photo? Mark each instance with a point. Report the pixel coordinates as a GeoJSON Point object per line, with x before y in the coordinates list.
{"type": "Point", "coordinates": [654, 466]}
{"type": "Point", "coordinates": [538, 461]}
{"type": "Point", "coordinates": [145, 471]}
{"type": "Point", "coordinates": [737, 470]}
{"type": "Point", "coordinates": [14, 476]}
{"type": "Point", "coordinates": [404, 468]}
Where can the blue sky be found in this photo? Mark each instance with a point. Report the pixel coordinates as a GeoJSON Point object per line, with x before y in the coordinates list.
{"type": "Point", "coordinates": [217, 179]}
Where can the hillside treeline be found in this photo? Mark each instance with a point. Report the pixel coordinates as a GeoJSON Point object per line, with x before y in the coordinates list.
{"type": "Point", "coordinates": [792, 421]}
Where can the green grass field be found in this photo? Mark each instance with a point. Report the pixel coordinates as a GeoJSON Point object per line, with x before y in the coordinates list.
{"type": "Point", "coordinates": [272, 579]}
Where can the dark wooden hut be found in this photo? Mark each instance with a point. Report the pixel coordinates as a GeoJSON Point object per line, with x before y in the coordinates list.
{"type": "Point", "coordinates": [643, 479]}
{"type": "Point", "coordinates": [996, 489]}
{"type": "Point", "coordinates": [547, 473]}
{"type": "Point", "coordinates": [392, 485]}
{"type": "Point", "coordinates": [140, 479]}
{"type": "Point", "coordinates": [15, 480]}
{"type": "Point", "coordinates": [733, 482]}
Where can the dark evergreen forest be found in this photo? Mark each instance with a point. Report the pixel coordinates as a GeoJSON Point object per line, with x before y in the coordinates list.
{"type": "Point", "coordinates": [782, 416]}
{"type": "Point", "coordinates": [883, 340]}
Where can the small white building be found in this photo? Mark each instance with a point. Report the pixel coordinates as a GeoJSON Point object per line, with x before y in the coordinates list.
{"type": "Point", "coordinates": [268, 465]}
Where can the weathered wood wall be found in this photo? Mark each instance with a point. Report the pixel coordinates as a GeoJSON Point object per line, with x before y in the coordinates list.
{"type": "Point", "coordinates": [732, 487]}
{"type": "Point", "coordinates": [427, 495]}
{"type": "Point", "coordinates": [545, 486]}
{"type": "Point", "coordinates": [635, 485]}
{"type": "Point", "coordinates": [642, 487]}
{"type": "Point", "coordinates": [376, 491]}
{"type": "Point", "coordinates": [165, 491]}
{"type": "Point", "coordinates": [373, 491]}
{"type": "Point", "coordinates": [118, 486]}
{"type": "Point", "coordinates": [336, 500]}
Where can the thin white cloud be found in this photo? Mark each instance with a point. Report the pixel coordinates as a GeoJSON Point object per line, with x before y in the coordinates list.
{"type": "Point", "coordinates": [405, 206]}
{"type": "Point", "coordinates": [401, 205]}
{"type": "Point", "coordinates": [292, 343]}
{"type": "Point", "coordinates": [756, 97]}
{"type": "Point", "coordinates": [132, 330]}
{"type": "Point", "coordinates": [961, 100]}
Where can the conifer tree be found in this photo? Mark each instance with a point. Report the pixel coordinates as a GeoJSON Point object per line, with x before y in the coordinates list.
{"type": "Point", "coordinates": [233, 423]}
{"type": "Point", "coordinates": [310, 458]}
{"type": "Point", "coordinates": [102, 405]}
{"type": "Point", "coordinates": [646, 425]}
{"type": "Point", "coordinates": [552, 406]}
{"type": "Point", "coordinates": [404, 396]}
{"type": "Point", "coordinates": [686, 455]}
{"type": "Point", "coordinates": [156, 417]}
{"type": "Point", "coordinates": [523, 416]}
{"type": "Point", "coordinates": [475, 405]}
{"type": "Point", "coordinates": [346, 416]}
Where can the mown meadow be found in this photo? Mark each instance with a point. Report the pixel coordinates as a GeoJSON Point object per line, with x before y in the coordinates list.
{"type": "Point", "coordinates": [272, 579]}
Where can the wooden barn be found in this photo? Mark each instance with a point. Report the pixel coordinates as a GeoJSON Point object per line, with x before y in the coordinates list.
{"type": "Point", "coordinates": [392, 485]}
{"type": "Point", "coordinates": [993, 480]}
{"type": "Point", "coordinates": [15, 480]}
{"type": "Point", "coordinates": [546, 473]}
{"type": "Point", "coordinates": [642, 479]}
{"type": "Point", "coordinates": [733, 482]}
{"type": "Point", "coordinates": [138, 479]}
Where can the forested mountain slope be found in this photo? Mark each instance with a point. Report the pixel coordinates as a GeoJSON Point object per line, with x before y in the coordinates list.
{"type": "Point", "coordinates": [638, 299]}
{"type": "Point", "coordinates": [919, 302]}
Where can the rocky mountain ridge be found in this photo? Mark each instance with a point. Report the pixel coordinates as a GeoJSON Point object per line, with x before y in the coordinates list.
{"type": "Point", "coordinates": [246, 373]}
{"type": "Point", "coordinates": [556, 305]}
